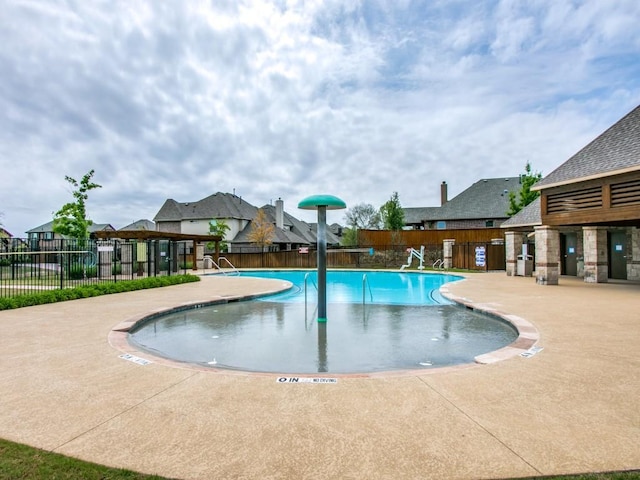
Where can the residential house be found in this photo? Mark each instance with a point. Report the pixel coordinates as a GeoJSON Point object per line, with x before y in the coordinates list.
{"type": "Point", "coordinates": [140, 225]}
{"type": "Point", "coordinates": [238, 214]}
{"type": "Point", "coordinates": [587, 222]}
{"type": "Point", "coordinates": [9, 244]}
{"type": "Point", "coordinates": [483, 205]}
{"type": "Point", "coordinates": [43, 236]}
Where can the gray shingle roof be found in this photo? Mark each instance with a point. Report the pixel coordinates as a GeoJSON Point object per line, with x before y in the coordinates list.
{"type": "Point", "coordinates": [218, 205]}
{"type": "Point", "coordinates": [486, 199]}
{"type": "Point", "coordinates": [142, 224]}
{"type": "Point", "coordinates": [48, 227]}
{"type": "Point", "coordinates": [616, 149]}
{"type": "Point", "coordinates": [97, 227]}
{"type": "Point", "coordinates": [45, 227]}
{"type": "Point", "coordinates": [416, 215]}
{"type": "Point", "coordinates": [527, 217]}
{"type": "Point", "coordinates": [296, 231]}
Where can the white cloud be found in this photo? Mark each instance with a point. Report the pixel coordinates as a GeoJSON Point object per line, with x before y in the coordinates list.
{"type": "Point", "coordinates": [287, 99]}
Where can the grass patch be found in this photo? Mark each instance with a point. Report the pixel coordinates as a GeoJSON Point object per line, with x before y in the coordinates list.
{"type": "Point", "coordinates": [94, 290]}
{"type": "Point", "coordinates": [19, 461]}
{"type": "Point", "coordinates": [26, 463]}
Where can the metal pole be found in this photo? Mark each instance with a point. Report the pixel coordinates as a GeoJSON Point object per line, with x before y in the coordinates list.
{"type": "Point", "coordinates": [322, 264]}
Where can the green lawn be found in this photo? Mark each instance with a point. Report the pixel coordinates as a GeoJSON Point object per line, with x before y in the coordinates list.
{"type": "Point", "coordinates": [26, 463]}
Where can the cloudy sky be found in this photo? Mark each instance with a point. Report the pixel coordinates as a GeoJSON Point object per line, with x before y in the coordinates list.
{"type": "Point", "coordinates": [270, 99]}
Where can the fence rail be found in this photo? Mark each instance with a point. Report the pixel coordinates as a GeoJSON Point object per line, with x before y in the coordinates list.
{"type": "Point", "coordinates": [467, 256]}
{"type": "Point", "coordinates": [55, 264]}
{"type": "Point", "coordinates": [28, 267]}
{"type": "Point", "coordinates": [386, 256]}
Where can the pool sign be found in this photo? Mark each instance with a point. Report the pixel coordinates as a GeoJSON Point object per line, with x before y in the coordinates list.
{"type": "Point", "coordinates": [306, 380]}
{"type": "Point", "coordinates": [134, 359]}
{"type": "Point", "coordinates": [480, 256]}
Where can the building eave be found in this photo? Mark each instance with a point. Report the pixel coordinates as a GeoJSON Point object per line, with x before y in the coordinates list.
{"type": "Point", "coordinates": [611, 173]}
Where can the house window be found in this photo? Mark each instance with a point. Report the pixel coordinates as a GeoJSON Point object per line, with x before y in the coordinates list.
{"type": "Point", "coordinates": [441, 225]}
{"type": "Point", "coordinates": [488, 224]}
{"type": "Point", "coordinates": [48, 235]}
{"type": "Point", "coordinates": [33, 236]}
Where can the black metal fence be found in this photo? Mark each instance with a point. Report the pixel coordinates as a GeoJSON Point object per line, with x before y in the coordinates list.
{"type": "Point", "coordinates": [30, 266]}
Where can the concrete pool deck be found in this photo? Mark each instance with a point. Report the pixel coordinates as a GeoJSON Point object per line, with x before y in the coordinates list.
{"type": "Point", "coordinates": [573, 407]}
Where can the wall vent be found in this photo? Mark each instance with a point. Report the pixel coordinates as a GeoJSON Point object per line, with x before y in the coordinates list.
{"type": "Point", "coordinates": [625, 193]}
{"type": "Point", "coordinates": [576, 200]}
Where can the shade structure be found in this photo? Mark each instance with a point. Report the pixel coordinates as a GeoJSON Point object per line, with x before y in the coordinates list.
{"type": "Point", "coordinates": [330, 202]}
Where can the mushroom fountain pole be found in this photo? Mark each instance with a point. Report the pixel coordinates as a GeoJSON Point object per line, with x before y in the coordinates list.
{"type": "Point", "coordinates": [322, 203]}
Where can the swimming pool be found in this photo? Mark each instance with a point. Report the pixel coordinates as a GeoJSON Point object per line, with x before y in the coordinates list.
{"type": "Point", "coordinates": [370, 287]}
{"type": "Point", "coordinates": [401, 325]}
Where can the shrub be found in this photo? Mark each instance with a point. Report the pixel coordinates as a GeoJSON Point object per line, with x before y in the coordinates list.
{"type": "Point", "coordinates": [85, 291]}
{"type": "Point", "coordinates": [75, 271]}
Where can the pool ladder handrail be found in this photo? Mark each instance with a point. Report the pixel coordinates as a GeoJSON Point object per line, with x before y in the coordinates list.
{"type": "Point", "coordinates": [214, 264]}
{"type": "Point", "coordinates": [306, 276]}
{"type": "Point", "coordinates": [235, 270]}
{"type": "Point", "coordinates": [439, 263]}
{"type": "Point", "coordinates": [365, 283]}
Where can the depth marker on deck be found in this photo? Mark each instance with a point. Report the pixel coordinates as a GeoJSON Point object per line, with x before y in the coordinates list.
{"type": "Point", "coordinates": [306, 380]}
{"type": "Point", "coordinates": [134, 359]}
{"type": "Point", "coordinates": [531, 352]}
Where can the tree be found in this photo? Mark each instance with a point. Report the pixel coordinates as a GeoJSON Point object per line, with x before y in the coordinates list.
{"type": "Point", "coordinates": [392, 213]}
{"type": "Point", "coordinates": [71, 220]}
{"type": "Point", "coordinates": [219, 228]}
{"type": "Point", "coordinates": [525, 195]}
{"type": "Point", "coordinates": [363, 216]}
{"type": "Point", "coordinates": [349, 237]}
{"type": "Point", "coordinates": [262, 230]}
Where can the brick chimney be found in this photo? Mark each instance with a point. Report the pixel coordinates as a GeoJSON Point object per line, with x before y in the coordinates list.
{"type": "Point", "coordinates": [279, 213]}
{"type": "Point", "coordinates": [443, 193]}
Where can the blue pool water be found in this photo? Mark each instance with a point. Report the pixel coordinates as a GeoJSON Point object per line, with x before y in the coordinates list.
{"type": "Point", "coordinates": [374, 287]}
{"type": "Point", "coordinates": [403, 324]}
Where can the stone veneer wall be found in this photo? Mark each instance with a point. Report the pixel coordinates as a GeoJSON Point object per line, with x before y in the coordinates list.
{"type": "Point", "coordinates": [595, 255]}
{"type": "Point", "coordinates": [170, 227]}
{"type": "Point", "coordinates": [633, 255]}
{"type": "Point", "coordinates": [447, 252]}
{"type": "Point", "coordinates": [512, 248]}
{"type": "Point", "coordinates": [547, 255]}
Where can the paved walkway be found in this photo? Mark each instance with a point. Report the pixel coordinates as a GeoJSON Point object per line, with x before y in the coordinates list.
{"type": "Point", "coordinates": [573, 407]}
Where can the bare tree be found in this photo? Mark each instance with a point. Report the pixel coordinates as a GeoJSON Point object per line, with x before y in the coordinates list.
{"type": "Point", "coordinates": [262, 230]}
{"type": "Point", "coordinates": [363, 216]}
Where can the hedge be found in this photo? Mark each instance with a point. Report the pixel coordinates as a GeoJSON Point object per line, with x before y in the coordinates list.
{"type": "Point", "coordinates": [85, 291]}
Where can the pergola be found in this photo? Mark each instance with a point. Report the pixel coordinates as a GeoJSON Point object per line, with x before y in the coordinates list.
{"type": "Point", "coordinates": [144, 235]}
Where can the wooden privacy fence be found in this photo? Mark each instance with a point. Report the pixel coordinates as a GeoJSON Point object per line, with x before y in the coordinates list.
{"type": "Point", "coordinates": [351, 258]}
{"type": "Point", "coordinates": [415, 238]}
{"type": "Point", "coordinates": [467, 256]}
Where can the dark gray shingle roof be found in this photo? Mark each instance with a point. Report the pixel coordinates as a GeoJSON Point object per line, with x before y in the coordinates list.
{"type": "Point", "coordinates": [486, 199]}
{"type": "Point", "coordinates": [142, 224]}
{"type": "Point", "coordinates": [416, 215]}
{"type": "Point", "coordinates": [616, 149]}
{"type": "Point", "coordinates": [527, 217]}
{"type": "Point", "coordinates": [218, 205]}
{"type": "Point", "coordinates": [48, 227]}
{"type": "Point", "coordinates": [45, 227]}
